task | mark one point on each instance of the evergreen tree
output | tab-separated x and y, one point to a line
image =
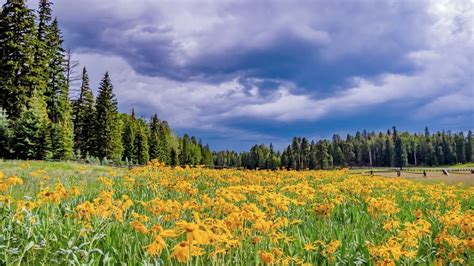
84	117
31	138
128	138
305	153
185	157
389	152
57	97
17	43
174	160
43	53
141	143
400	156
207	156
349	154
323	157
154	137
460	148
165	146
108	125
338	156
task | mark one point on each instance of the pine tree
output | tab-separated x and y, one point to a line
84	117
17	51
338	156
400	156
165	146
141	143
43	53
128	138
57	97
322	155
349	154
207	156
195	151
174	159
185	155
460	148
31	138
154	137
108	125
389	152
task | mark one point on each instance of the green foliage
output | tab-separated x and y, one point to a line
5	135
154	137
57	96
206	155
128	138
167	145
31	139
84	117
401	156
43	53
141	142
17	43
108	126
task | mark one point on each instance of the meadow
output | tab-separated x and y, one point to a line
66	213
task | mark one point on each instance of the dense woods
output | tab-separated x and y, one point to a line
38	120
390	149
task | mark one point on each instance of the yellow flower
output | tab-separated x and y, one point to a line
14	180
75	191
309	247
169	233
181	252
156	246
193	233
139	227
266	257
390	225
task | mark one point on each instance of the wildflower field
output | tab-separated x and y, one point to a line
59	213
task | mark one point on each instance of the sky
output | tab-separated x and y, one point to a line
238	73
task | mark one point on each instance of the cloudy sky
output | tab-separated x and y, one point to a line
237	73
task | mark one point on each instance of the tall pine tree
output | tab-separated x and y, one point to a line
84	117
108	125
17	43
57	97
154	137
43	53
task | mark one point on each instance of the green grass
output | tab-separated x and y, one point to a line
465	165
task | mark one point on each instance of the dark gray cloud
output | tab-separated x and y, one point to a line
316	44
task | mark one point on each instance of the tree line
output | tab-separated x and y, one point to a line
38	120
389	149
